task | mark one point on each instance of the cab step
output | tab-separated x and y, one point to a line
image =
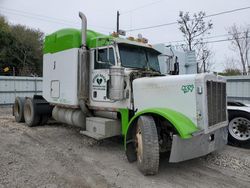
100	128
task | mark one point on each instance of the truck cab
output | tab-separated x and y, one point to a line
126	58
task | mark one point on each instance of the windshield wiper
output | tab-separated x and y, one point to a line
148	68
152	69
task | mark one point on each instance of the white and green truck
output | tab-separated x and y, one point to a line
111	86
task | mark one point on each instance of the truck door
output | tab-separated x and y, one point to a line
103	58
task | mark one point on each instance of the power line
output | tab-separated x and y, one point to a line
46	18
173	23
35	15
216	41
140	7
150	27
211	37
226	12
224	40
38	18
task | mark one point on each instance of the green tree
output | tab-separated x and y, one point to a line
6	41
20	48
4	26
231	72
27	49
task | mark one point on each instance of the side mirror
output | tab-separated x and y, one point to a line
173	65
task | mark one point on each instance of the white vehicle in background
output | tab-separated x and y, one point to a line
239	123
238	112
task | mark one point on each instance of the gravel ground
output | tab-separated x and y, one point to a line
56	156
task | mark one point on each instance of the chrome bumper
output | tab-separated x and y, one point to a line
197	146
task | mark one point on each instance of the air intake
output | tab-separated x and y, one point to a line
216	102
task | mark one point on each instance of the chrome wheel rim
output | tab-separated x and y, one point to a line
239	128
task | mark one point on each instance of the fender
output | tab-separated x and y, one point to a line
239	108
183	125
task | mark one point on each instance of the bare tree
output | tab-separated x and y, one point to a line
204	55
194	29
241	43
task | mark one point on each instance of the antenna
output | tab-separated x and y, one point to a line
118	30
117	21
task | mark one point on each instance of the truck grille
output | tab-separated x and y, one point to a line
216	102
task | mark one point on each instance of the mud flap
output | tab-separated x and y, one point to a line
197	146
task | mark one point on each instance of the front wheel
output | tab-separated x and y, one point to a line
147	145
239	127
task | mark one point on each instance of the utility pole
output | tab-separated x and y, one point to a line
197	67
204	64
117	22
14	78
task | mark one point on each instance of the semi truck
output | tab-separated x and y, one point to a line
111	86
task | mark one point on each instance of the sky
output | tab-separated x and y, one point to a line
51	15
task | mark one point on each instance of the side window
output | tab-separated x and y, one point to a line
103	57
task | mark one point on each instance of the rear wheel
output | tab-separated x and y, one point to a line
18	109
30	113
239	127
147	145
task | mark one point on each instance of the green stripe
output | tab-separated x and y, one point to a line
184	126
124	119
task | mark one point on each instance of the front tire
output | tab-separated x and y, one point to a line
147	145
239	127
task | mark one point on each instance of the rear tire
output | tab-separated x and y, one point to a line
18	109
239	128
147	145
30	113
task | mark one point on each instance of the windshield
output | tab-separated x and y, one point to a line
138	57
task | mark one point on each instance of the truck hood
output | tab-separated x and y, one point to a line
172	92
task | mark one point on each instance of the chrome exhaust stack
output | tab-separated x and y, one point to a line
84	28
83	68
